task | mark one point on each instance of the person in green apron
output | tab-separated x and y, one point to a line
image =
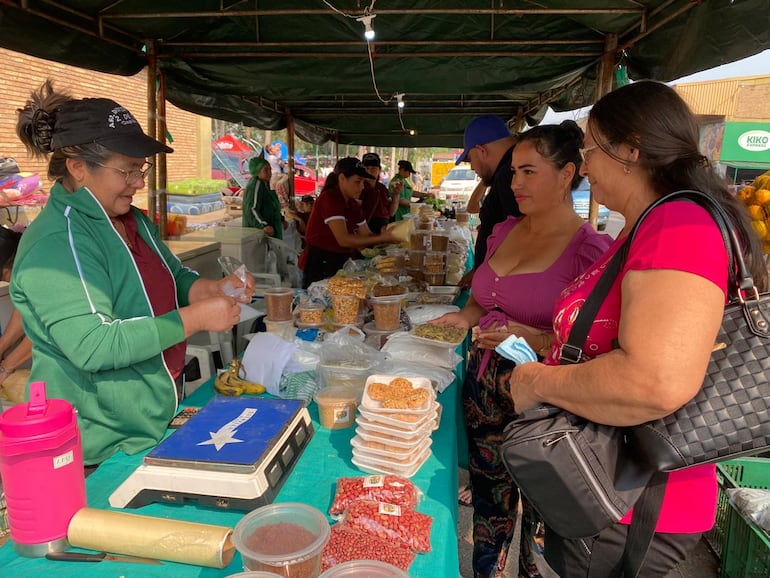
261	207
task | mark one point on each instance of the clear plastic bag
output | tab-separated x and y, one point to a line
391	522
376	488
440	377
347	543
754	502
402	346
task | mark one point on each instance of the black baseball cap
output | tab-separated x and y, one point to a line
406	165
350	166
307	199
371	160
105	122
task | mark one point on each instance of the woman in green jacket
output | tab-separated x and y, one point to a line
105	303
261	207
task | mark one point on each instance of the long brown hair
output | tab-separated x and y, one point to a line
652	118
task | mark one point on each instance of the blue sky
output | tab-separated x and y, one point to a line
759	64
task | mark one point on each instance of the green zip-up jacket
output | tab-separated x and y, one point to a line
95	340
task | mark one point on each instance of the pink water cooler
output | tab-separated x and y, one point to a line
41	465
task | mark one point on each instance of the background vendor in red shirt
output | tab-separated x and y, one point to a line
337	226
376	202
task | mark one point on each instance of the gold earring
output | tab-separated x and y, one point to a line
626	169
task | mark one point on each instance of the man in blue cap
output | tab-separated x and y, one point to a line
488	145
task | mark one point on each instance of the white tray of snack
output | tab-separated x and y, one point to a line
391	394
405	435
390	458
392	443
410	421
378	467
452	335
444	290
379	449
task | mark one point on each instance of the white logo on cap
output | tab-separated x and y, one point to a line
120	116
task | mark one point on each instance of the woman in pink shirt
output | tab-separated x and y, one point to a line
529	261
650	343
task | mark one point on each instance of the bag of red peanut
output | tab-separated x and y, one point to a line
378	488
347	543
391	522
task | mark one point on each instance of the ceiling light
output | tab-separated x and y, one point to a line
400	99
412	132
368	28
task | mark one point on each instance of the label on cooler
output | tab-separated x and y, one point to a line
63	460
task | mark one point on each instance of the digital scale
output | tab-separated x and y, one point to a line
235	453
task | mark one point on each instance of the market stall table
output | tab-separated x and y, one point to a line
313	480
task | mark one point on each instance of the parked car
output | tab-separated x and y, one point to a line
581	200
458	184
305	182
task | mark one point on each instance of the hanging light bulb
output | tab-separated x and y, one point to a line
400	100
412	132
366	20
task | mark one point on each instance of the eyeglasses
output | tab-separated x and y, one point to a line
130	176
585	153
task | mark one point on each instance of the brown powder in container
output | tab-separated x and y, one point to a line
283	538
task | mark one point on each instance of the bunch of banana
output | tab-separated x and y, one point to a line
229	382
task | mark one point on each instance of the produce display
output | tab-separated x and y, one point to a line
347	543
230	382
756	197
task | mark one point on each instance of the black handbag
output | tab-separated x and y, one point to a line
729	417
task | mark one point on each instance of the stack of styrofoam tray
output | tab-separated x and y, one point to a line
394	440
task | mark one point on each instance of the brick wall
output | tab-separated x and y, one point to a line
22	74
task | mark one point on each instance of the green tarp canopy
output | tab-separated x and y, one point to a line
254	61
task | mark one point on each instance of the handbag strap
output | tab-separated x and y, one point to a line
740	284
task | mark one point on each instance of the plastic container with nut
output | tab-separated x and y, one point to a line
419	240
387	311
345	309
310	314
375	337
278	303
416	259
350	373
434	278
286	539
337	407
283	329
399	254
462	217
435	262
439	241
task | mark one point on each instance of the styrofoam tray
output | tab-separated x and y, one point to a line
436	342
399	456
369	466
392	419
389	458
417	382
367	435
401	434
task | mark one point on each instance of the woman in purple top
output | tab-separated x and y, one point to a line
529	261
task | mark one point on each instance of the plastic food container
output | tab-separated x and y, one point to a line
286	539
254	575
434	278
439	241
414	208
337	407
435	262
418	240
399	254
278	303
407	421
375	337
283	329
364	569
383	450
376	466
390	458
387	312
310	315
343	374
345	309
390	432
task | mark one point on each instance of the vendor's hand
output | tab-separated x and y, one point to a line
269	230
455	319
232	286
210	314
398	186
387	236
